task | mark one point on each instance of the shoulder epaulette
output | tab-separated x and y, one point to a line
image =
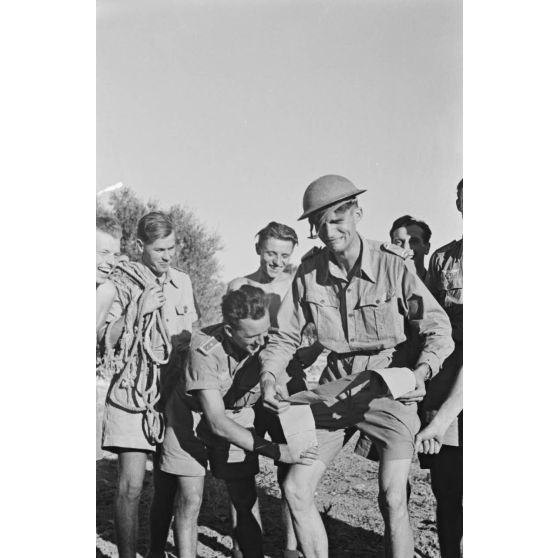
446	247
312	252
214	341
178	270
394	249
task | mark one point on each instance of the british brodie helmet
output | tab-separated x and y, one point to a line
326	192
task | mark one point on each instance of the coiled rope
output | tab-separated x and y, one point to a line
136	387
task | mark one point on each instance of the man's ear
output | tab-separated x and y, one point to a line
427	251
228	330
358	213
140	245
258	249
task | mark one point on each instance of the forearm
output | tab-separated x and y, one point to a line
233	433
452	406
114	331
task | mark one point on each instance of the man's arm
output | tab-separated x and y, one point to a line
433	325
221	425
430	438
280	348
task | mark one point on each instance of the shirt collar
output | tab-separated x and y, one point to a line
365	261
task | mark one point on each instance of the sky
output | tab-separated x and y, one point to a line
233	108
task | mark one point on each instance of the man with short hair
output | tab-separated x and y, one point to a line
147	330
108	235
210	417
442	406
274	245
359	294
414	235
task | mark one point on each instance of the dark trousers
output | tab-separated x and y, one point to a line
446	473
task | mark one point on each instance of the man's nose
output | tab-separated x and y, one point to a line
111	260
407	244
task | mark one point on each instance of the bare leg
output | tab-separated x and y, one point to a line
248	532
131	472
162	506
291	542
392	498
299	488
188	503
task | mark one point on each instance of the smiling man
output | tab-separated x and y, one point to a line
360	294
414	235
133	423
211	416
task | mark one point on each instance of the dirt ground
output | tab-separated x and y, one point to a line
346	497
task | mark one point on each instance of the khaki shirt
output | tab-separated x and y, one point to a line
365	314
179	310
445	281
213	363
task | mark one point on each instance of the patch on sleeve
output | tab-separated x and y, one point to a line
209	345
416	308
393	249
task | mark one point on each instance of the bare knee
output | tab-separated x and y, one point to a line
129	489
299	496
393	501
188	502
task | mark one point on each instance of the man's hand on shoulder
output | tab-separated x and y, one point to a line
274	395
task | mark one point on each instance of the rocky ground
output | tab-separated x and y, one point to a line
346	498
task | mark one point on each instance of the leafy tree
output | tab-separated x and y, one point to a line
196	247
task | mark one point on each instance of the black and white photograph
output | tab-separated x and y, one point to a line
279	279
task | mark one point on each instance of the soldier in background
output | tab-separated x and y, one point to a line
413	235
442	438
108	237
133	422
274	245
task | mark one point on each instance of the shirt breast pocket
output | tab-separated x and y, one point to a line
452	285
378	317
324	307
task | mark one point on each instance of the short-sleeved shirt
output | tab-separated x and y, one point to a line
445	281
179	310
364	313
213	362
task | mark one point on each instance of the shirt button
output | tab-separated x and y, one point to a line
351	315
352	340
377	301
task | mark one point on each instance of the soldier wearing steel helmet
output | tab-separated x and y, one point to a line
359	294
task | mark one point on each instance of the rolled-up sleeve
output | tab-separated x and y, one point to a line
201	372
429	319
283	342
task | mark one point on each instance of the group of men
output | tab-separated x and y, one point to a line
213	396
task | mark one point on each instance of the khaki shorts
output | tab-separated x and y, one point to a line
227	461
391	425
102	388
123	429
182	453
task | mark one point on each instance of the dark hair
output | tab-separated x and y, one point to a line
460	185
277	230
110	226
407	220
245	302
154	225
